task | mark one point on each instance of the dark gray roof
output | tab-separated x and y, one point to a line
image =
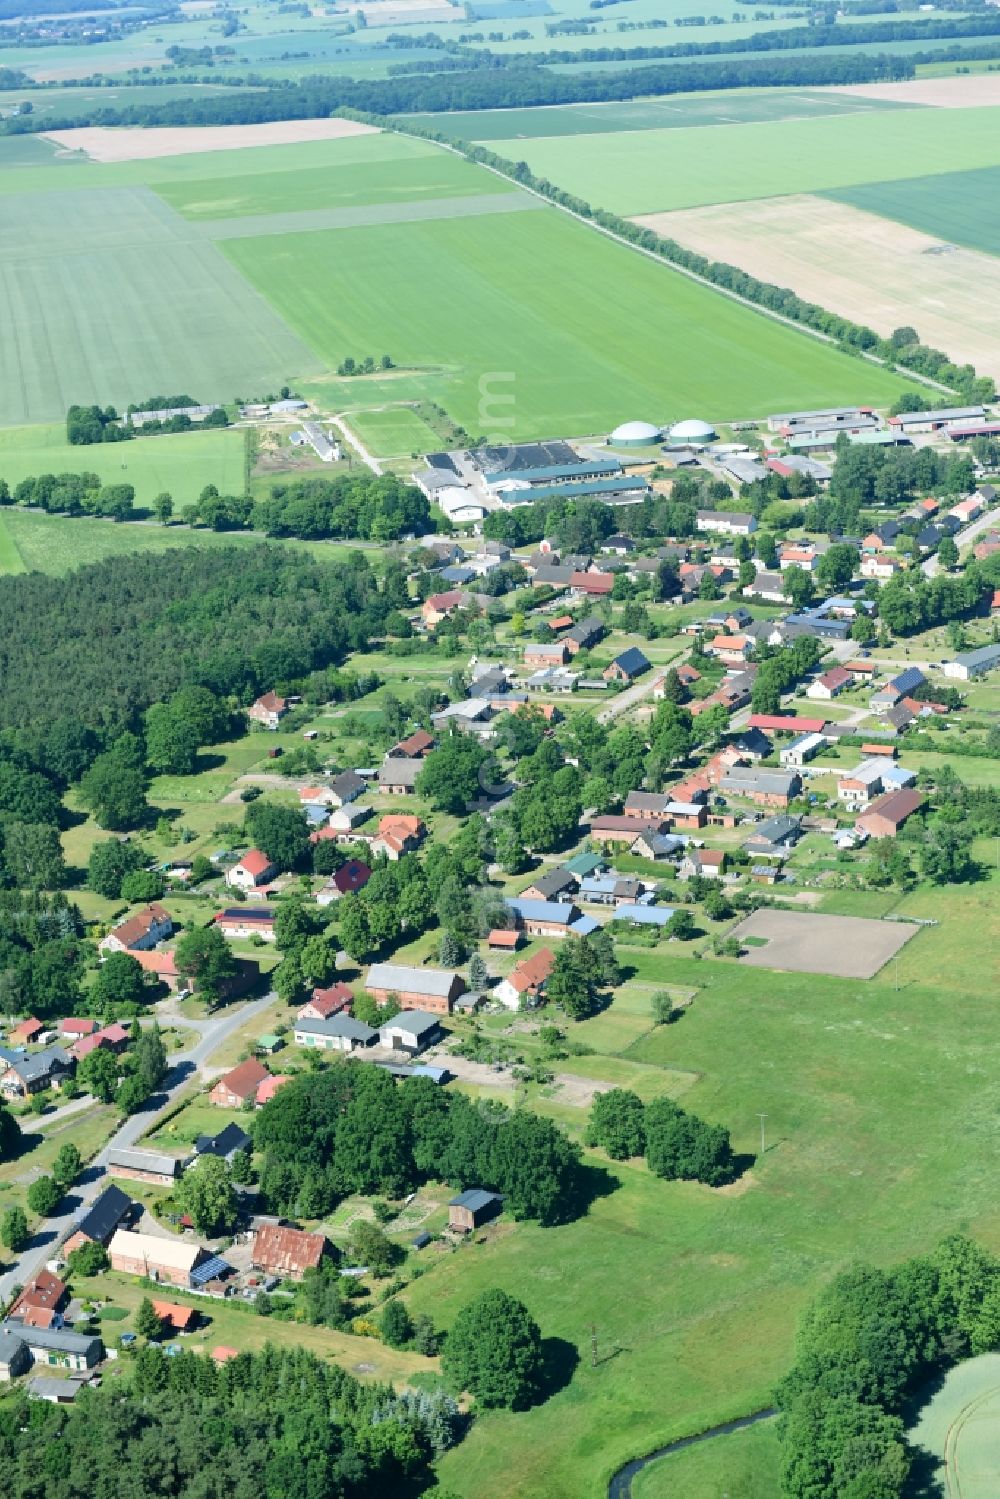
338	1025
103	1216
586	630
231	1139
10	1344
632	661
42	1064
776	830
475	1199
419	1022
399	772
58	1340
144	1160
347	783
908	679
552	882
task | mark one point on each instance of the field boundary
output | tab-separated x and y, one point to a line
777	317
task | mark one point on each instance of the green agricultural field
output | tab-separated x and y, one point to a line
634	173
743	1465
958	207
737	106
368	175
180	463
547	327
128	303
11	560
393	433
879	1109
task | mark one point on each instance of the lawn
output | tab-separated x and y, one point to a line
878	1105
393	432
549	328
958	207
636	173
88	1131
742	106
110	297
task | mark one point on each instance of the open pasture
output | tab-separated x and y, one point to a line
735	106
884	274
553	329
802	942
742	1464
180	464
954	207
639	172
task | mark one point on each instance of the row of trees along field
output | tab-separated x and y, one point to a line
493	86
854	338
365	506
869	1344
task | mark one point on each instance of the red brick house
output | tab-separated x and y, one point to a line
431	989
326	1002
269	710
233	1090
886	816
139	932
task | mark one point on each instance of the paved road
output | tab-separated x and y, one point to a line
34	1126
930	566
214	1034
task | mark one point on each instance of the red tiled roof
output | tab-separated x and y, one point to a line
222	1354
25	1029
245	1079
500	937
592	582
533	971
351	876
177	1317
255	863
270	1086
77	1026
162	963
139	925
417	744
330	1001
45	1291
270	702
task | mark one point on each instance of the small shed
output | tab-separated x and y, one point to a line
470	1209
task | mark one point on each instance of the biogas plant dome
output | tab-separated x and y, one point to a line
635	435
692	430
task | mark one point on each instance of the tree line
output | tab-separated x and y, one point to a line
90	424
866	1346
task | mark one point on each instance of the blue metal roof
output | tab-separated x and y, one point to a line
584	925
645	915
556	471
541	910
595	487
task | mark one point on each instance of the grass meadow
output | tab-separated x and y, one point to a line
180	463
633	173
543	325
742	1465
958	207
879	1109
393	432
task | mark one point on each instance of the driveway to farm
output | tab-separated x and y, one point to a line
34	1126
353	440
185	1066
930	566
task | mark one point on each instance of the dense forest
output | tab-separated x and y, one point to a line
279	1424
102	645
867	1346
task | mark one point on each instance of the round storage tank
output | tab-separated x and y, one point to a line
635	435
692	430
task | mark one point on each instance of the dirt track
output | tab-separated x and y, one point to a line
969	92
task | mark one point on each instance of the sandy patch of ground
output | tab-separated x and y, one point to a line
102	144
867	268
971	91
852	947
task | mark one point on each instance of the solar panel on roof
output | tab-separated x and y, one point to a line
212	1269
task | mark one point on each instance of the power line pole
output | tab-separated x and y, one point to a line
762	1117
593	1345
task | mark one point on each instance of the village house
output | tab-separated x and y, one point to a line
175	1318
524	984
627	666
768	788
323	1003
503	939
545	653
346	818
726	522
897	687
171	1260
26	1075
732	650
703	863
341	1032
162	966
237	1087
432	989
398	777
592	584
880	568
658	846
143	1166
802	749
346	787
831	684
691	814
398	834
112	1038
554	884
417	746
440	605
774	837
611	890
611	827
269	1088
584	635
21	1346
140	932
252	871
886	816
247	921
268	710
287	1252
646	804
26	1032
97	1223
73	1027
472	1208
41	1302
972	664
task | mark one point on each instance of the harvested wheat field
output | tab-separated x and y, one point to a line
865	267
972	91
103	144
